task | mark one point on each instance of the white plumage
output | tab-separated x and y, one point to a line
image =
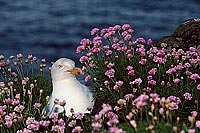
67	87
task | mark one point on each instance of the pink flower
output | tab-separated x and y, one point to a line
110	65
128	96
37	105
87	78
19	56
187	96
127	37
94	31
149	41
198	87
140	40
131	72
9	123
106	83
154	98
152	71
96	126
195	76
80	49
62	103
83	59
95	50
129	68
161	111
143	61
163	45
85	42
115	129
152	82
115	46
112	122
108	52
106	108
110	73
191	130
126	26
44	123
79	116
176	80
137	81
72	123
197	124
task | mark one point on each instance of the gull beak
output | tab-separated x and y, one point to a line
75	71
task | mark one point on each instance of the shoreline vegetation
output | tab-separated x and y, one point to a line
139	87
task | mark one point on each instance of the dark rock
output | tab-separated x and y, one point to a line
186	35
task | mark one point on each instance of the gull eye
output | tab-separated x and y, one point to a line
60	66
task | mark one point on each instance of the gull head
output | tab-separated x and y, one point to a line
64	68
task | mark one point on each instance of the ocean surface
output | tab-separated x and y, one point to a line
53	28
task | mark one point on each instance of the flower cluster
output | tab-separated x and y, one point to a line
120	66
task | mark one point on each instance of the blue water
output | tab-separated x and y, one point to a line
53	28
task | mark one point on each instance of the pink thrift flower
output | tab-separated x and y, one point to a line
112	122
72	123
87	78
94	31
119	83
9	123
110	65
191	130
96	126
152	82
195	76
129	68
131	73
110	73
148	89
143	61
176	80
80	49
127	37
187	96
197	124
19	56
109	52
106	108
85	42
198	87
149	77
44	123
137	81
194	113
115	129
126	26
149	41
164	45
106	83
140	40
128	96
83	59
161	111
152	71
62	103
117	108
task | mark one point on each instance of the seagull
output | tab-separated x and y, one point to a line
67	88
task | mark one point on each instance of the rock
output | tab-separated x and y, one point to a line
186	35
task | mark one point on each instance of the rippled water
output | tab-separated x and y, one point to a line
53	28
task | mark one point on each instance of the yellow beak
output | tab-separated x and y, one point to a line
75	70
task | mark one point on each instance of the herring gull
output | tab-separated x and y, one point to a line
66	87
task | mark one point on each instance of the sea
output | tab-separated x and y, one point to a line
52	29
